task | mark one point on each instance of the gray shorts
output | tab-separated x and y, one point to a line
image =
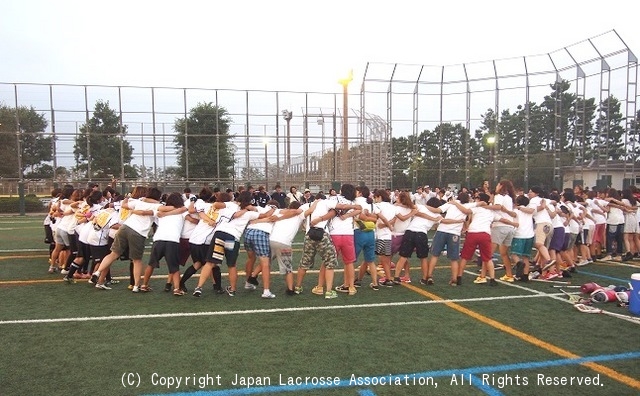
502	235
61	237
127	238
283	254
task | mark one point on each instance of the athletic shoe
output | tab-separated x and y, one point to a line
607	258
268	295
69	280
352	291
52	270
317	290
168	287
357	283
330	294
583	263
453	283
197	292
492	282
382	279
549	275
405	279
231	293
64	272
342	289
249	286
549	264
145	288
218	290
178	292
397	281
507	278
298	290
136	289
252	280
290	292
428	281
627	256
534	275
374	287
130	287
100	286
387	283
114	281
183	288
94	277
459	280
480	280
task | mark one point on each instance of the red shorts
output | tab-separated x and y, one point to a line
345	247
480	240
598	233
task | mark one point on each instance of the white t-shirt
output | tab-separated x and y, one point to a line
507	203
84	229
481	219
141	224
596	212
452	212
339	226
285	230
262	226
525	225
388	211
399	227
237	225
169	227
322	208
616	216
420	224
100	237
188	227
558	219
539	216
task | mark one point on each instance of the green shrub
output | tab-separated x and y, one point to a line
12	205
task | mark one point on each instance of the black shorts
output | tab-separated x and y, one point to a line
84	250
171	253
99	252
198	253
414	240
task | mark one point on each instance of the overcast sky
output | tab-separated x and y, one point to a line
281	45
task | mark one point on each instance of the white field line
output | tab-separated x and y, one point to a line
274	310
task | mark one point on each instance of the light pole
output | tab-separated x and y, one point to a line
345	122
265	141
491	141
288	115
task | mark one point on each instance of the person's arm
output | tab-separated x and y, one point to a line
174	211
383	222
509	222
463	208
351	213
437	219
326	217
406	217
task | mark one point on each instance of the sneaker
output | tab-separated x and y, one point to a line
52	270
583	263
534	275
330	294
357	283
268	295
231	293
69	280
317	290
178	292
94	278
168	287
453	282
102	286
397	281
197	292
627	256
183	288
459	280
291	292
549	275
480	280
428	281
549	265
374	287
507	278
405	279
114	281
130	287
607	258
382	280
64	272
249	286
252	280
342	289
135	289
352	291
145	288
492	282
218	290
387	283
298	290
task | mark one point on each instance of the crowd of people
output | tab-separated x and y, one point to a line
534	234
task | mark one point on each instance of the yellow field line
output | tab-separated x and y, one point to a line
23	257
632	382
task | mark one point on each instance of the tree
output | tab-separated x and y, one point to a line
107	151
35	147
203	143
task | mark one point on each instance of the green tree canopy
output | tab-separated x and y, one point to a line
203	143
101	143
35	147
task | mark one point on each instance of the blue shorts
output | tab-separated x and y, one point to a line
366	243
257	241
451	242
522	246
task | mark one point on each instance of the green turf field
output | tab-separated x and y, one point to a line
514	339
